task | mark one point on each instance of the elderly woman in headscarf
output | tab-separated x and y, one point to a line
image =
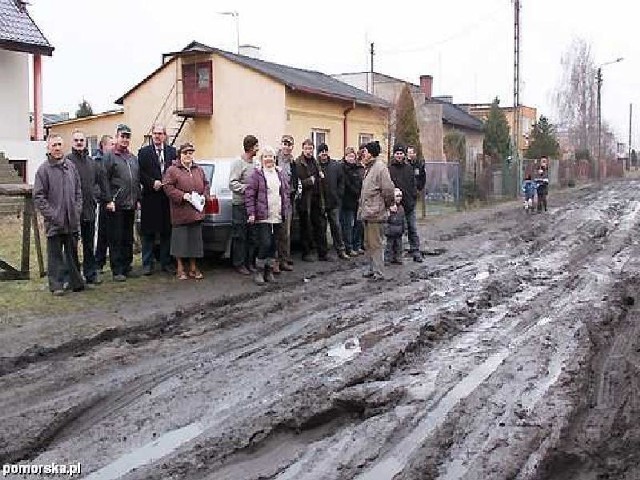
267	201
187	188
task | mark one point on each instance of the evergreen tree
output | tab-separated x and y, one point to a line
497	143
543	140
407	131
84	109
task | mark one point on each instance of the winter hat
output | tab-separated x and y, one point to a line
398	147
323	147
373	148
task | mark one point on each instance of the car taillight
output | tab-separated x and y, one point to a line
211	206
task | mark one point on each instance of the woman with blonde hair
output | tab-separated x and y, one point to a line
267	200
187	188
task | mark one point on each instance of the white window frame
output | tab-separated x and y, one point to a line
319	135
93	144
364	138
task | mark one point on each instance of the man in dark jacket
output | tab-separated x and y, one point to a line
155	216
92	185
353	175
420	173
122	197
332	185
403	178
102	242
313	222
57	194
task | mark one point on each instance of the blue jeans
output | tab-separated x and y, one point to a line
148	249
412	228
347	222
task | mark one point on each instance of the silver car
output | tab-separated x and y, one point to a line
216	227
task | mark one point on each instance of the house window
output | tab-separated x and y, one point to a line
365	138
92	144
319	136
203	77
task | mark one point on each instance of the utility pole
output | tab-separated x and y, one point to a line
371	52
599	110
630	123
516	90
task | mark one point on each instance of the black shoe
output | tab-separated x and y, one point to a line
170	269
397	261
368	274
268	276
79	289
377	277
343	255
119	278
325	258
58	293
132	274
307	257
417	257
147	270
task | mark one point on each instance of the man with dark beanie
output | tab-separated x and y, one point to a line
403	178
376	197
332	185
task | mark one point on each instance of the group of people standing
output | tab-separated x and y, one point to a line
353	196
160	180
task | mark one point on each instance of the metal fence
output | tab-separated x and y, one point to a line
443	187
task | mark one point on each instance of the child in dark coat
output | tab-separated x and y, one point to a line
394	229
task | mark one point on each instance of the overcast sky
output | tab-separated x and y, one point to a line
104	47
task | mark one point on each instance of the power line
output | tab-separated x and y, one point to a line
461	33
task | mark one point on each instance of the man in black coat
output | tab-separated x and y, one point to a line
403	178
155	217
332	185
420	173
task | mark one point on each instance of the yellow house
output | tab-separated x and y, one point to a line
528	117
214	98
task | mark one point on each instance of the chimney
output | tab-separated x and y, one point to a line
426	85
250	51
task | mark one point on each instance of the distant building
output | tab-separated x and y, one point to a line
528	117
436	115
20	38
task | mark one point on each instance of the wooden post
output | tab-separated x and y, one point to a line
36	237
26	238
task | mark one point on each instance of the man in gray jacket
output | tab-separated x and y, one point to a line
243	244
57	194
122	197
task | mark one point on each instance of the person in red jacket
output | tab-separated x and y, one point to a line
187	188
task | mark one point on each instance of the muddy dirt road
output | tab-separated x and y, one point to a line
515	354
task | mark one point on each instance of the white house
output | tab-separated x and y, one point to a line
20	37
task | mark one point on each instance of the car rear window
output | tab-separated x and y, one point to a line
219	186
208	171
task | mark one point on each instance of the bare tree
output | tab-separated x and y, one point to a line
576	97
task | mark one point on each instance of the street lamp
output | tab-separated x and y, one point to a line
599	80
236	15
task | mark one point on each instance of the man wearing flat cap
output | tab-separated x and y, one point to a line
122	198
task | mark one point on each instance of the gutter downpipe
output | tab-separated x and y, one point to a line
344	124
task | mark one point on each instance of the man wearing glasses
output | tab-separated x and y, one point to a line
122	196
155	217
91	182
